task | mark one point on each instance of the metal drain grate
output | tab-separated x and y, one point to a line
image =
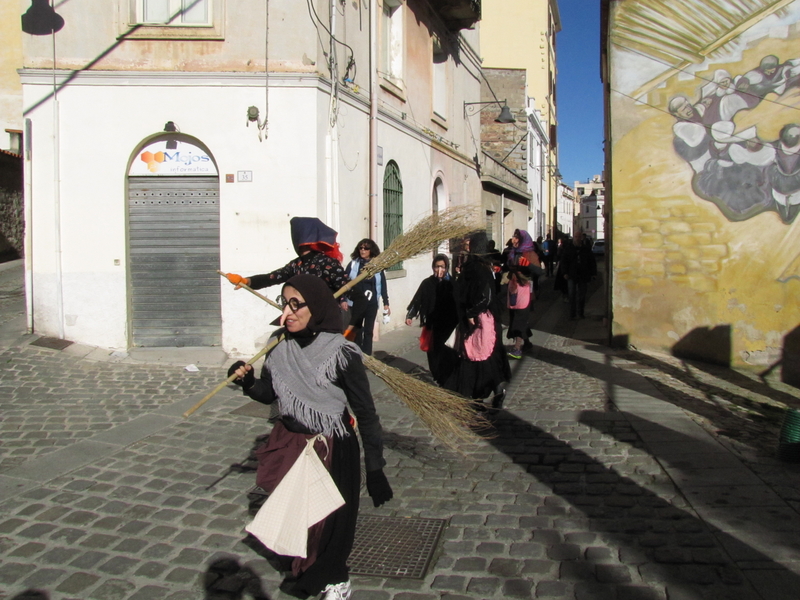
394	546
52	343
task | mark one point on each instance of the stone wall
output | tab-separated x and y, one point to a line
502	140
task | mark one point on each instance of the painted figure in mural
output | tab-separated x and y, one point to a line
737	177
772	77
692	141
784	174
738	170
719	98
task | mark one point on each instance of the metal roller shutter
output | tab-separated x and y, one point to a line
173	231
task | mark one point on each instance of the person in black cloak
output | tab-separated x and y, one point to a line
483	368
436	308
317	254
314	375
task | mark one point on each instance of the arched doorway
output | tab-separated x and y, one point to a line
173	244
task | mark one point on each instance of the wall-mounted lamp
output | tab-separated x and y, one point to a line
41	19
170	127
505	115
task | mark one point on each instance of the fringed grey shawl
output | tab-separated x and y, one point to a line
303	381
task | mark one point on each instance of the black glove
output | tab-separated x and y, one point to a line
378	487
245	382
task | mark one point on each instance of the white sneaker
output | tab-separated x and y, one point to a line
338	591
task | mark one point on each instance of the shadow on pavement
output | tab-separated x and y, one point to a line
726	421
31	594
658	542
227	579
731	376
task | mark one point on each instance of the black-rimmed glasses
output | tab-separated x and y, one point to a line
365	248
293	303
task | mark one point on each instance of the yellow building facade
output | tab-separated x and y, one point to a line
704	166
521	34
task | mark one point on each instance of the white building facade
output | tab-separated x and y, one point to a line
566	209
592	196
539	172
167	146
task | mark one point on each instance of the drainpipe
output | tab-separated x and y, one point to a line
57	201
57	214
28	240
373	119
503	218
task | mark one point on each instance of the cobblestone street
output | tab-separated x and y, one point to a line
610	475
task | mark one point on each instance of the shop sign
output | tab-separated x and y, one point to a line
185	159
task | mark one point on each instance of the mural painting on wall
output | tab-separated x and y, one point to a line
742	56
740	171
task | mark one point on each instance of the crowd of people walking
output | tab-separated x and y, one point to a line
461	313
315	376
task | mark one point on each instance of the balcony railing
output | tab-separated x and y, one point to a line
458	14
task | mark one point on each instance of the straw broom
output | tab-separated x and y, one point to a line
446	414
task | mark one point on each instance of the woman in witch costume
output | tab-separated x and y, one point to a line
436	308
522	265
317	254
483	367
313	375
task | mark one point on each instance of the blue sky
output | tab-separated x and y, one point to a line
579	93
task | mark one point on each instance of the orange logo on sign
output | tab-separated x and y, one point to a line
152	160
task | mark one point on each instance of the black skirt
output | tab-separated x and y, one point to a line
480	379
338	529
518	323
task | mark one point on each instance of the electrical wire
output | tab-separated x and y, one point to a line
706	127
315	16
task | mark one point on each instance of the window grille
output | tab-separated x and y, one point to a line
392	207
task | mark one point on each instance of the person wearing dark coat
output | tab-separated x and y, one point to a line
366	296
578	266
482	368
317	254
436	308
522	266
314	375
559	282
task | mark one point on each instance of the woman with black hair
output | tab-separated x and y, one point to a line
365	295
436	308
314	374
483	367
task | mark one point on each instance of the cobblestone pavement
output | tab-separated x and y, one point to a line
610	476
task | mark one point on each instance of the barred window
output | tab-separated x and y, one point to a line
392	207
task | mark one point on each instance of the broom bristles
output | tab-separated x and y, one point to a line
448	416
427	233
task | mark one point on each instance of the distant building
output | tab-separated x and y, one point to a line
591	196
521	34
567	209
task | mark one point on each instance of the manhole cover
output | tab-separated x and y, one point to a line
52	343
394	546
